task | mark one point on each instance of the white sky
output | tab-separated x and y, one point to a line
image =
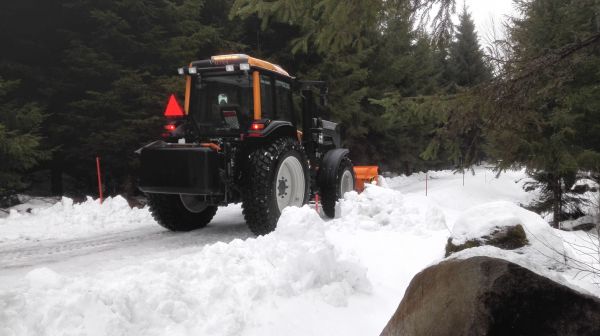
485	12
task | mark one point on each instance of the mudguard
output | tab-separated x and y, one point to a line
280	128
329	165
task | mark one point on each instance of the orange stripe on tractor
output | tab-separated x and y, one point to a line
188	89
365	174
256	93
211	145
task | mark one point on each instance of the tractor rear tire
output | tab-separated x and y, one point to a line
344	182
170	212
277	177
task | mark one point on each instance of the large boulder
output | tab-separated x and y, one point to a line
488	296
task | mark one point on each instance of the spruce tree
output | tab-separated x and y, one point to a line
467	65
459	138
334	25
19	139
402	72
546	104
118	69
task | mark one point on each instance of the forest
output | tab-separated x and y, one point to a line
414	89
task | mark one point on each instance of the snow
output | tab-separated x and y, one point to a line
65	220
482	220
546	251
211	292
446	189
312	276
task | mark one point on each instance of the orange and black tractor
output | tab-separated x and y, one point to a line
239	138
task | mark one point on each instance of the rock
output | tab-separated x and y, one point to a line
9	201
488	296
507	238
584	227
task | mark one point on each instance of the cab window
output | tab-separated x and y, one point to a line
266	97
283	94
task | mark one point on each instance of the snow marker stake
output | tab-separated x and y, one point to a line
317	203
426	173
99	178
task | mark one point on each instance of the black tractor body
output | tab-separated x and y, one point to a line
240	138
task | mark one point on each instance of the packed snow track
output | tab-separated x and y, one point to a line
153	238
105	243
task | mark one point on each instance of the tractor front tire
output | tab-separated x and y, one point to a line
277	177
170	212
334	190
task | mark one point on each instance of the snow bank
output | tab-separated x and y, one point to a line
551	253
322	265
482	220
379	208
65	220
453	195
29	203
210	292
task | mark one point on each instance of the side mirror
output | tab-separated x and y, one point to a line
324	92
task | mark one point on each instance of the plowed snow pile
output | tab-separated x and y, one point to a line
65	220
311	276
305	267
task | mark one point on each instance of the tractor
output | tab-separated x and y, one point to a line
239	137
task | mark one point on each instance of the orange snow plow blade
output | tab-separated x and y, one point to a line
365	174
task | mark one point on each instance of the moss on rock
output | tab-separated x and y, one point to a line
507	238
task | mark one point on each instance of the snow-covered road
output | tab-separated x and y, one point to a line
109	247
108	269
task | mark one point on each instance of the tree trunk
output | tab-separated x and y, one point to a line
596	178
556	200
56	182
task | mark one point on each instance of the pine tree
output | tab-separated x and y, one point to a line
459	135
402	72
546	104
334	25
467	63
113	86
19	139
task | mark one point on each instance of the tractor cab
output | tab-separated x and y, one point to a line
236	95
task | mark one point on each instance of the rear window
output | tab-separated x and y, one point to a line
212	96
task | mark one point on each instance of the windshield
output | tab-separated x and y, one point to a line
221	103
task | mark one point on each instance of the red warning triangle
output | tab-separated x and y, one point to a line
173	108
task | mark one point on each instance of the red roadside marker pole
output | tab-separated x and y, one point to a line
99	178
317	203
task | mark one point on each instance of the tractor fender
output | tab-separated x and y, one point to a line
279	128
329	165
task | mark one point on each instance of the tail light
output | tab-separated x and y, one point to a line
256	128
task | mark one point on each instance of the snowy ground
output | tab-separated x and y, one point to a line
107	269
